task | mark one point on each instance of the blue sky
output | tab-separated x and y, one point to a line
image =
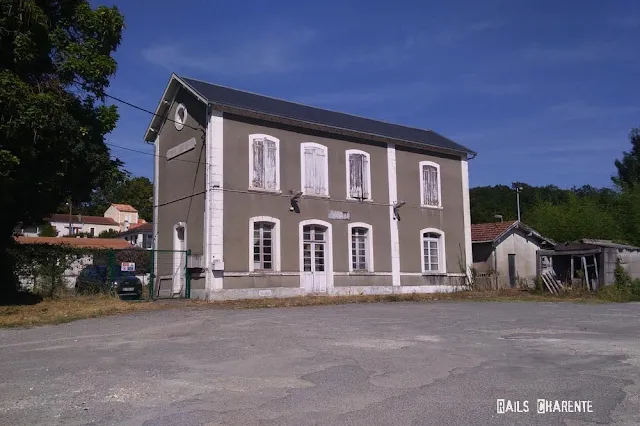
546	92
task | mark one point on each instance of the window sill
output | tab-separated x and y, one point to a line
318	197
434	274
263	273
362	273
357	200
266	191
424	206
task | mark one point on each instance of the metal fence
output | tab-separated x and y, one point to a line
169	276
50	269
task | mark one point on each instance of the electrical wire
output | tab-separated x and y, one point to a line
152	154
150	112
228	189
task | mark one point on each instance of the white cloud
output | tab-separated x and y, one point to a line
577	110
626	22
569	55
262	55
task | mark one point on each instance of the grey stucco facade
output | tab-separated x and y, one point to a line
208	190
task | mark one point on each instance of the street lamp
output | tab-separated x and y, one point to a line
70	219
517	188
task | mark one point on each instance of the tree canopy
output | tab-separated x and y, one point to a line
56	61
135	191
629	166
575	213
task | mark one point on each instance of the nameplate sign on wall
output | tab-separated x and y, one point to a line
337	215
181	149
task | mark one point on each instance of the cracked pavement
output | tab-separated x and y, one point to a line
436	363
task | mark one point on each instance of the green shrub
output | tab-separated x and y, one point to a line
624	289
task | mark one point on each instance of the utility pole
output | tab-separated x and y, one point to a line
70	218
517	188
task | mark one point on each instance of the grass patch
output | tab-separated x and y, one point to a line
61	310
488	296
66	309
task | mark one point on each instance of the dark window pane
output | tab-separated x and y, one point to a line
267	258
267	250
267	265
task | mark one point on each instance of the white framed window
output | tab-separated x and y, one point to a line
314	169
360	247
433	251
430	187
264	163
264	247
358	175
180	116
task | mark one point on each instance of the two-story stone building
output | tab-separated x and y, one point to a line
279	199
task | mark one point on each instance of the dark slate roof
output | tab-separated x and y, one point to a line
294	111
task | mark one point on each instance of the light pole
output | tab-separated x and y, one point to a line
517	188
70	219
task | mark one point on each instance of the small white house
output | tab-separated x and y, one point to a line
504	254
139	236
90	225
124	214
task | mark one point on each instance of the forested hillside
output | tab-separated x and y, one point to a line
569	214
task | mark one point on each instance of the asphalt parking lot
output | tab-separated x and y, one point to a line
438	363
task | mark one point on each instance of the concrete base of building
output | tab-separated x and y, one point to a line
284	292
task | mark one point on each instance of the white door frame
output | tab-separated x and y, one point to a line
179	259
328	250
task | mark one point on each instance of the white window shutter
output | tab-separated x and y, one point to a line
430	186
258	164
365	178
355	176
309	164
320	158
270	169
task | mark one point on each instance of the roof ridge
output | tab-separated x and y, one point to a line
310	106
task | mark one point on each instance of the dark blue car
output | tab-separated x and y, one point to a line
94	279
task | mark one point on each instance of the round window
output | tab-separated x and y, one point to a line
181	116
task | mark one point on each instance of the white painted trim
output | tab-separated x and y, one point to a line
328	250
367	290
367	172
179	265
214	214
262	274
180	124
393	223
437	166
276	253
156	201
370	245
442	253
362	274
277	142
172	85
422	274
303	170
466	208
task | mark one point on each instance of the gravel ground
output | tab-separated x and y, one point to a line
440	363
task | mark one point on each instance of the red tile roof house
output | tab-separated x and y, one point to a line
504	253
92	225
124	214
71	274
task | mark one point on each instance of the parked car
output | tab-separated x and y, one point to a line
94	279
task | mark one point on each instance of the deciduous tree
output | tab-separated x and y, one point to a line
56	61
